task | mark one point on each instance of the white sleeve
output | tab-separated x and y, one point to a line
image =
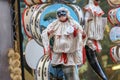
46	35
45	40
87	16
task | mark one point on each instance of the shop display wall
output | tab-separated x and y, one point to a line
6	38
85	71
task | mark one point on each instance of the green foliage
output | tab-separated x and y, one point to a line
105	6
50	16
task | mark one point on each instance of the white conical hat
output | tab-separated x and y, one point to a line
96	10
90	1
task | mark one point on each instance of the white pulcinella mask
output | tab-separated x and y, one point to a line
64	9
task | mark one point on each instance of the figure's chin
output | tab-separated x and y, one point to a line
64	20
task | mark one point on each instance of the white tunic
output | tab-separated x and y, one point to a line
67	47
94	28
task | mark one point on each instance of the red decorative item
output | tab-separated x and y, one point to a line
25	25
84	55
75	33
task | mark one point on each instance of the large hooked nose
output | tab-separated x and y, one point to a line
92	59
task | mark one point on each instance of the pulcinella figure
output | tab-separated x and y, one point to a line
69	38
94	29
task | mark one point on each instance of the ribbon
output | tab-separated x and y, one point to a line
64	58
96	44
84	54
75	31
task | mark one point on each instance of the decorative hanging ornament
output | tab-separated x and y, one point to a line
34	23
33	2
45	71
114	3
115	53
33	53
79	13
25	22
26	19
114	16
42	69
115	34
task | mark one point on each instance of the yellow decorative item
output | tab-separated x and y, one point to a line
11	68
16	56
107	28
12	75
14	65
10	61
10	53
17	77
17	71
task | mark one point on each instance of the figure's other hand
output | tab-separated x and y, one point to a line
84	35
90	20
47	52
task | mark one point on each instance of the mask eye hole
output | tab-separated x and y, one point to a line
61	13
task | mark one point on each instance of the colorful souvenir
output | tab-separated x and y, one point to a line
94	28
115	34
45	71
25	22
114	3
67	35
33	53
115	53
33	24
113	16
93	21
29	2
118	14
28	12
34	2
79	13
39	69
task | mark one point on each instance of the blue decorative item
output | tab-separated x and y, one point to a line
115	34
118	14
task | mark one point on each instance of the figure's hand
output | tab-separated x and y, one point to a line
84	35
47	52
